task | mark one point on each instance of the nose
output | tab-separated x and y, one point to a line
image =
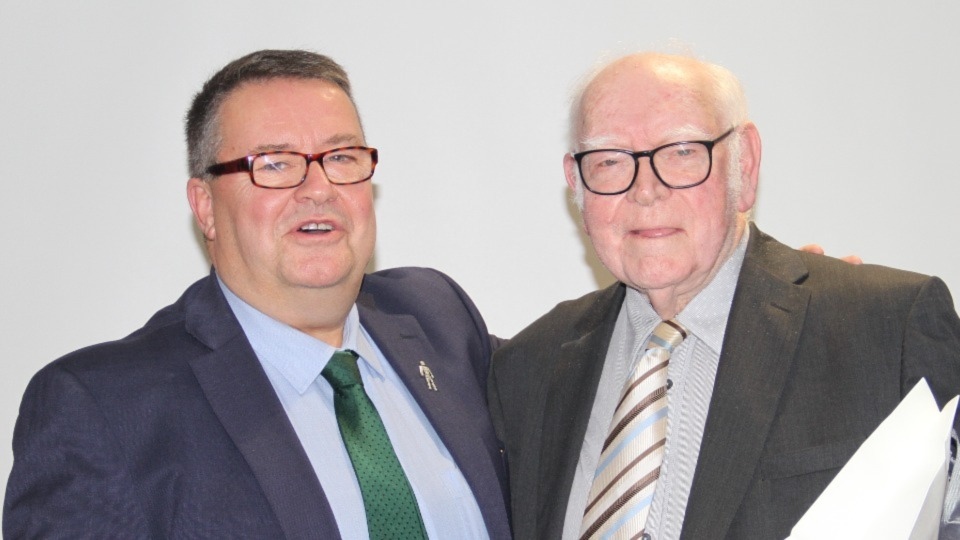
316	186
647	188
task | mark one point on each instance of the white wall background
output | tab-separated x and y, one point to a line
856	101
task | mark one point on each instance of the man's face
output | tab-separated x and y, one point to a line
260	240
653	238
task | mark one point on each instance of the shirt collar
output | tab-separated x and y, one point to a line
297	356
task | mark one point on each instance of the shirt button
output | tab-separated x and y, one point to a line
646	536
669	386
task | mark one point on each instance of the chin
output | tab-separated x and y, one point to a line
320	278
649	281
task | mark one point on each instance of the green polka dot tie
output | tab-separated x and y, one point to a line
388	500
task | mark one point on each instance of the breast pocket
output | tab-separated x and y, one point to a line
791	481
809	460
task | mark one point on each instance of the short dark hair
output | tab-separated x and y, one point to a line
203	118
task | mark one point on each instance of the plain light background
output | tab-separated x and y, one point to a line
856	102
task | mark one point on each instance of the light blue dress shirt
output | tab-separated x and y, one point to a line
293	361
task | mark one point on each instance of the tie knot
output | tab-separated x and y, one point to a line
342	370
667	335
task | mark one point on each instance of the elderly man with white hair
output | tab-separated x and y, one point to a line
716	388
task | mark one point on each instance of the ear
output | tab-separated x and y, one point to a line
572	174
201	202
750	150
570	171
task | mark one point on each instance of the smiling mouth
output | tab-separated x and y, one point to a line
655	233
316	228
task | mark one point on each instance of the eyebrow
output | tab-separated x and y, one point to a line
337	139
594	143
688	132
344	138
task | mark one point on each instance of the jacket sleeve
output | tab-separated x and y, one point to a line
931	346
69	479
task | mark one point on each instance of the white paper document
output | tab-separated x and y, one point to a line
893	486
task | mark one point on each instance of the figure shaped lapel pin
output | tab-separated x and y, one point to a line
427	375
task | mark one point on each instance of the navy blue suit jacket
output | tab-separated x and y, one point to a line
175	430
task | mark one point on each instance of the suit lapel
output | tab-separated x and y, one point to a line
570	392
763	330
455	409
242	397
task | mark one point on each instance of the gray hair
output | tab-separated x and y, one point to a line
203	118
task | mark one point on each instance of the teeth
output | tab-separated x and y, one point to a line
317	227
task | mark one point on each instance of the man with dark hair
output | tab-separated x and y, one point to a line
283	395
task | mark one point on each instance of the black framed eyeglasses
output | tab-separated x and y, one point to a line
283	169
679	165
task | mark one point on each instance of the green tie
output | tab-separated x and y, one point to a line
388	500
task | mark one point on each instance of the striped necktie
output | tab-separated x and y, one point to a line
629	465
388	500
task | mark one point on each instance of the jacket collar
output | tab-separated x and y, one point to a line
450	409
572	387
241	396
766	320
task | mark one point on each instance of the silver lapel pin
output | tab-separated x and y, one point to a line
427	376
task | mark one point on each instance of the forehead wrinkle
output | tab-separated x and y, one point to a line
663	89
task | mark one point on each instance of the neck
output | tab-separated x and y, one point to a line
670	301
318	312
666	304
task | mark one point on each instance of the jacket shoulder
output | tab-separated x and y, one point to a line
568	320
415	291
826	276
406	281
162	339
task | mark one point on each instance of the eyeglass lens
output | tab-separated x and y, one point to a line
677	165
283	169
